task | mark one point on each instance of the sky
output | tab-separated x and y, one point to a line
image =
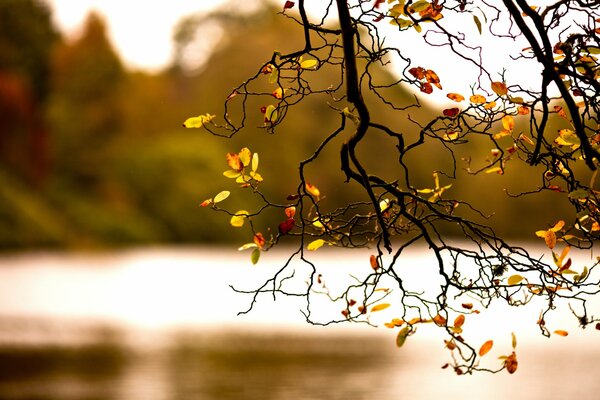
141	31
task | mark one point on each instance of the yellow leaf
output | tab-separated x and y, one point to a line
562	333
499	88
239	218
199	121
514	340
379	307
450	137
514	279
497	170
254	162
490	105
315	244
541	234
232	174
221	196
486	347
312	189
308	64
245	156
508	122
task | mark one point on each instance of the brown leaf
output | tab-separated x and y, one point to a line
426	88
499	88
550	239
439	320
511	363
468	306
433	78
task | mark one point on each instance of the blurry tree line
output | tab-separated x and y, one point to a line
93	154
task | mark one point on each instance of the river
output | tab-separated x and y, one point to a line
161	323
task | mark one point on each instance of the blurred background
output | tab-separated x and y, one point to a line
114	284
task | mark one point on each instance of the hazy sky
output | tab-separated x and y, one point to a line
141	31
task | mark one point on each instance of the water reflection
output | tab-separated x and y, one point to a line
161	325
199	366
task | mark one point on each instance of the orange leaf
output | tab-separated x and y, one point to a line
508	122
433	78
290	212
468	306
439	320
499	88
234	162
523	110
459	321
206	203
312	189
426	88
486	347
477	99
374	263
259	239
417	72
550	239
562	333
380	307
455	97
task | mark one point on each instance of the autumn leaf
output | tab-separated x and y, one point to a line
455	97
316	244
433	78
426	88
374	263
511	363
499	88
485	348
286	226
199	121
380	307
439	320
259	240
254	256
402	335
550	239
206	203
312	189
562	333
221	196
309	64
514	280
451	112
234	162
459	321
417	72
288	4
477	99
239	218
508	122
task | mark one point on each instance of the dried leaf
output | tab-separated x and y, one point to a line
467	306
485	348
514	340
499	88
417	72
550	239
455	97
511	363
234	162
433	78
451	112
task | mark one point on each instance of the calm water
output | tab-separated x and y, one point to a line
160	324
